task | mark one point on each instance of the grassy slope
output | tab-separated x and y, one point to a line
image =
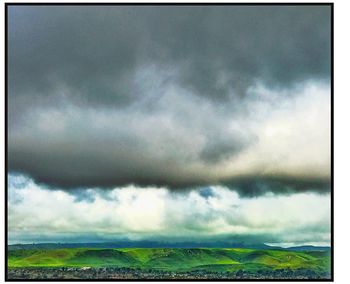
172	259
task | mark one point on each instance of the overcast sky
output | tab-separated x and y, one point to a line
136	111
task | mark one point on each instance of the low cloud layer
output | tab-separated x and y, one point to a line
211	213
177	97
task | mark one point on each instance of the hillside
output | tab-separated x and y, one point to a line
217	260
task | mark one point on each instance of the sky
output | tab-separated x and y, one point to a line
169	123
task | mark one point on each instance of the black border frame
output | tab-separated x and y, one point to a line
330	4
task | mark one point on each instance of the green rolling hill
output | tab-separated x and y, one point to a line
217	260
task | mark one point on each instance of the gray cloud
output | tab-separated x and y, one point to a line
250	186
94	50
107	96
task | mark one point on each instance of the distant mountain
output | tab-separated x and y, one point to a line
308	248
155	244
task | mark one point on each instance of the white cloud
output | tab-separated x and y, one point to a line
157	212
293	133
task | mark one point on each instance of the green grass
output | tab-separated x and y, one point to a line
172	259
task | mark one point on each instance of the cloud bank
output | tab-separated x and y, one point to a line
211	213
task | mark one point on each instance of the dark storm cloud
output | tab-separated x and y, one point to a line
94	50
259	185
108	96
